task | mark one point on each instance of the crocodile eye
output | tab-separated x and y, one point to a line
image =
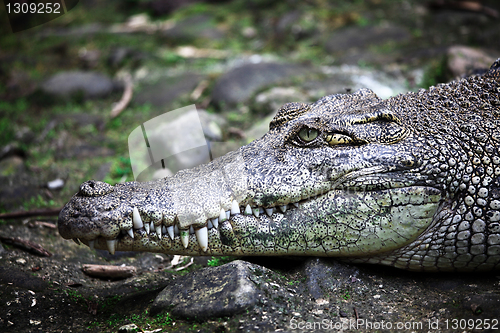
308	134
337	139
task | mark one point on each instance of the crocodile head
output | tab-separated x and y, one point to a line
348	176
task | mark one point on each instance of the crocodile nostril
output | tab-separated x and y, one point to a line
93	188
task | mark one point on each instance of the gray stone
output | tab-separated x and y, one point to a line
464	60
193	28
239	84
90	84
213	292
166	90
271	100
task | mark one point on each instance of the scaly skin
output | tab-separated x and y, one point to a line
412	182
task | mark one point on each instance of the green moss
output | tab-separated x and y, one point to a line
219	261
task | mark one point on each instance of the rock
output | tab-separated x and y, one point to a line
363	37
271	100
166	90
339	80
20	279
11	165
68	84
213	292
464	61
239	84
200	26
55	184
129	328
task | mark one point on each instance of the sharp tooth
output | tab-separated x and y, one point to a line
261	210
235	208
215	222
76	241
202	236
158	231
146	227
248	210
228	214
130	232
136	219
296	204
191	230
222	215
170	231
151	226
111	246
92	244
185	238
209	224
269	211
283	208
256	211
163	230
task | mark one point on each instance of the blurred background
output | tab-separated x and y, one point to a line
74	88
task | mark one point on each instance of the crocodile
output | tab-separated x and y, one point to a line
412	181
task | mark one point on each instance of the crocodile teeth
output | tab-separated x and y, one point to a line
296	204
163	230
170	231
130	233
283	208
215	222
209	224
222	215
191	230
158	231
235	208
269	211
185	238
152	226
176	230
248	210
76	241
256	212
111	246
146	227
136	219
228	214
202	236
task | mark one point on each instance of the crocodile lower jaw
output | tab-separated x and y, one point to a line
157	232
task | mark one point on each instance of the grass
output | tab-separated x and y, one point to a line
219	261
143	319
